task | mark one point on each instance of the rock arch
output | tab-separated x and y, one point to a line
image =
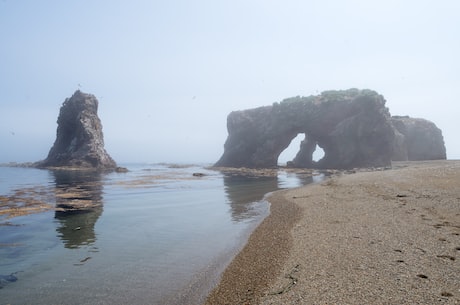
353	128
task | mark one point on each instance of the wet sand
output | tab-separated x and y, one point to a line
381	237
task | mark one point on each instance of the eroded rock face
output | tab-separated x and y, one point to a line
353	128
79	140
417	139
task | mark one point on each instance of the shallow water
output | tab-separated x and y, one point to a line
155	235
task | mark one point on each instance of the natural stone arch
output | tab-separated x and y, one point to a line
353	127
318	154
290	152
304	157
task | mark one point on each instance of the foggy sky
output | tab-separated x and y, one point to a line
167	73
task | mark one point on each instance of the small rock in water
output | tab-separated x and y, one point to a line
121	170
8	278
5	279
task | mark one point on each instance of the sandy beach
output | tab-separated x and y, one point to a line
379	237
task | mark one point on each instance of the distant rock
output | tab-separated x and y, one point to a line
352	127
417	139
79	140
121	170
198	175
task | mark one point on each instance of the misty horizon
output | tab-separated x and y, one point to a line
167	74
288	154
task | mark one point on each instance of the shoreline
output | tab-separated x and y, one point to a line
377	237
249	273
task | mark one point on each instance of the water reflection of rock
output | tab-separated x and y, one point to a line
246	186
78	206
241	190
77	229
305	179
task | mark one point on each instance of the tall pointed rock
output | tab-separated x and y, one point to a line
79	139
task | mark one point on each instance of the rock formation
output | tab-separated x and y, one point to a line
79	140
417	139
353	128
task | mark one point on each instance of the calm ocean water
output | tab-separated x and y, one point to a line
158	234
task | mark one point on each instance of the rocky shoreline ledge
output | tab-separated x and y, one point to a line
380	237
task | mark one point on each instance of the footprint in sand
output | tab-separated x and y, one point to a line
452	258
446	294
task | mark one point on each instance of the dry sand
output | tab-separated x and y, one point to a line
382	237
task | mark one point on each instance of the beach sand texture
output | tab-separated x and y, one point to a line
381	237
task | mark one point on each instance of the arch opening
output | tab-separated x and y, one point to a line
289	153
303	151
318	154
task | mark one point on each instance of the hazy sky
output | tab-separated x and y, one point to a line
167	73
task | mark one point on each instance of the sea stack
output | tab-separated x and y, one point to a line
352	127
417	139
79	139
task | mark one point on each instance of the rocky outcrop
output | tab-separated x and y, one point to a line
353	128
79	140
417	139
